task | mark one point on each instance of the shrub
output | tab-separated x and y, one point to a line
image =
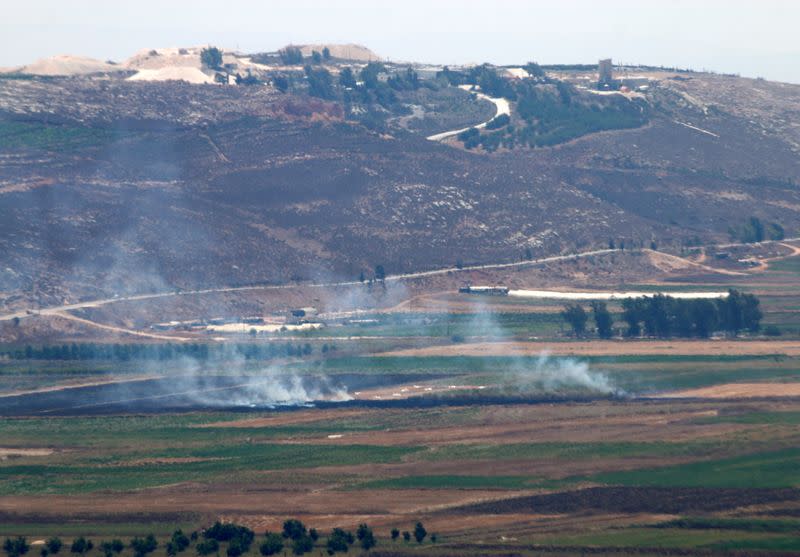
211	57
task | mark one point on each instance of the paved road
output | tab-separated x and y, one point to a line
54	310
502	106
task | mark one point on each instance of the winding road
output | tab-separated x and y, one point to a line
501	104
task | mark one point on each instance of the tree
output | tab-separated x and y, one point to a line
248	79
272	545
320	83
316	57
16	547
703	315
395	534
361	277
420	532
534	69
143	546
293	529
236	547
369	74
207	547
291	56
339	541
347	79
53	545
81	546
108	549
406	536
575	315
211	57
751	314
281	83
326	53
775	231
366	537
632	314
302	545
602	319
380	273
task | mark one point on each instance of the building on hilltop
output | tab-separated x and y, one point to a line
605	74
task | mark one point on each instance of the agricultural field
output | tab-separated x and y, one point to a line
481	418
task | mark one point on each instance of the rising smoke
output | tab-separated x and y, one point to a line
546	375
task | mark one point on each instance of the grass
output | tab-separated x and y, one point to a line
218	464
52	137
445	325
665	538
770	418
573	451
788	265
452	482
744	524
761	470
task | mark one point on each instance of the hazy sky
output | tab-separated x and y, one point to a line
753	38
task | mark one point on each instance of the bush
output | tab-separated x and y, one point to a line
772	331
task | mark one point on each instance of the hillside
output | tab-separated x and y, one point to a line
111	186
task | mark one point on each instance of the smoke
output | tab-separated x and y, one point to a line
554	375
292	390
230	380
546	375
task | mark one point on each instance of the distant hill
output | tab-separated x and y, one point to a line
66	65
110	186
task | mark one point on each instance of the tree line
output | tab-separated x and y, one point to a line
162	352
663	316
295	536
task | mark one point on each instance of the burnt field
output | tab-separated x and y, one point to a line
263	187
186	393
661	500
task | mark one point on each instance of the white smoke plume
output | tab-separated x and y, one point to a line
554	375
